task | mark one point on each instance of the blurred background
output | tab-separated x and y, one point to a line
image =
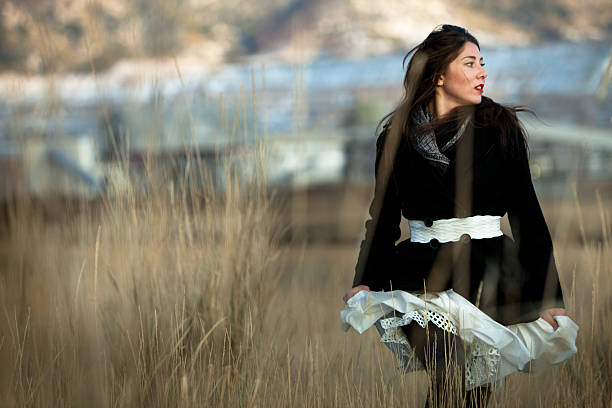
145	119
313	76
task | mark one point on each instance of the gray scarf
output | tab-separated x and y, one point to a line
425	141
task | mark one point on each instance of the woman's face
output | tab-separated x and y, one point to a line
463	81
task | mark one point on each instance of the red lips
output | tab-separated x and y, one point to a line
479	88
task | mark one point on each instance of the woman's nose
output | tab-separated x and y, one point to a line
483	73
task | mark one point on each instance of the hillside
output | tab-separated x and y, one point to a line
44	36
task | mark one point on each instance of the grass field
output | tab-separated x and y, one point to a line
199	297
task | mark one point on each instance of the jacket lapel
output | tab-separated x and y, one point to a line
444	184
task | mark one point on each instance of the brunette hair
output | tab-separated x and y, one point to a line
429	60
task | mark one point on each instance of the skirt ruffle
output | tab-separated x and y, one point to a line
493	351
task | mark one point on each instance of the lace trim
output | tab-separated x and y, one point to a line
421	317
482	360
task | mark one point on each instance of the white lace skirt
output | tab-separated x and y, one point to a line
493	351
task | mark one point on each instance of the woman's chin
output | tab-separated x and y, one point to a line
475	100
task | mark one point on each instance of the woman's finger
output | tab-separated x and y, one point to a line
548	317
351	292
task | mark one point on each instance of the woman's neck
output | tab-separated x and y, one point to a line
438	108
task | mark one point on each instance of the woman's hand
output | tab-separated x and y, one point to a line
548	316
351	292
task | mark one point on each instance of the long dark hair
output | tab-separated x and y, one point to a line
430	59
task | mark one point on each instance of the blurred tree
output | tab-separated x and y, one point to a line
363	112
160	24
3	35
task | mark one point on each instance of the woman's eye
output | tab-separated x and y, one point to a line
470	64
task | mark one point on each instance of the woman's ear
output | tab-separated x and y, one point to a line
438	79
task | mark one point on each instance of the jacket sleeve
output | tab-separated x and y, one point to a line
382	229
540	286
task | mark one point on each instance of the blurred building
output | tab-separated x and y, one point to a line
317	120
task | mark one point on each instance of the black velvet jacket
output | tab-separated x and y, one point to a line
509	279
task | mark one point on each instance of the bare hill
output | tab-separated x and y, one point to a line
42	36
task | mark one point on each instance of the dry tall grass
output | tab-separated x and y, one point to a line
184	297
153	299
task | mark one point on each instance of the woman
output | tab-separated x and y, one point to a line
453	162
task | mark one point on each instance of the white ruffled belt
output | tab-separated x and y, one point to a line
455	229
